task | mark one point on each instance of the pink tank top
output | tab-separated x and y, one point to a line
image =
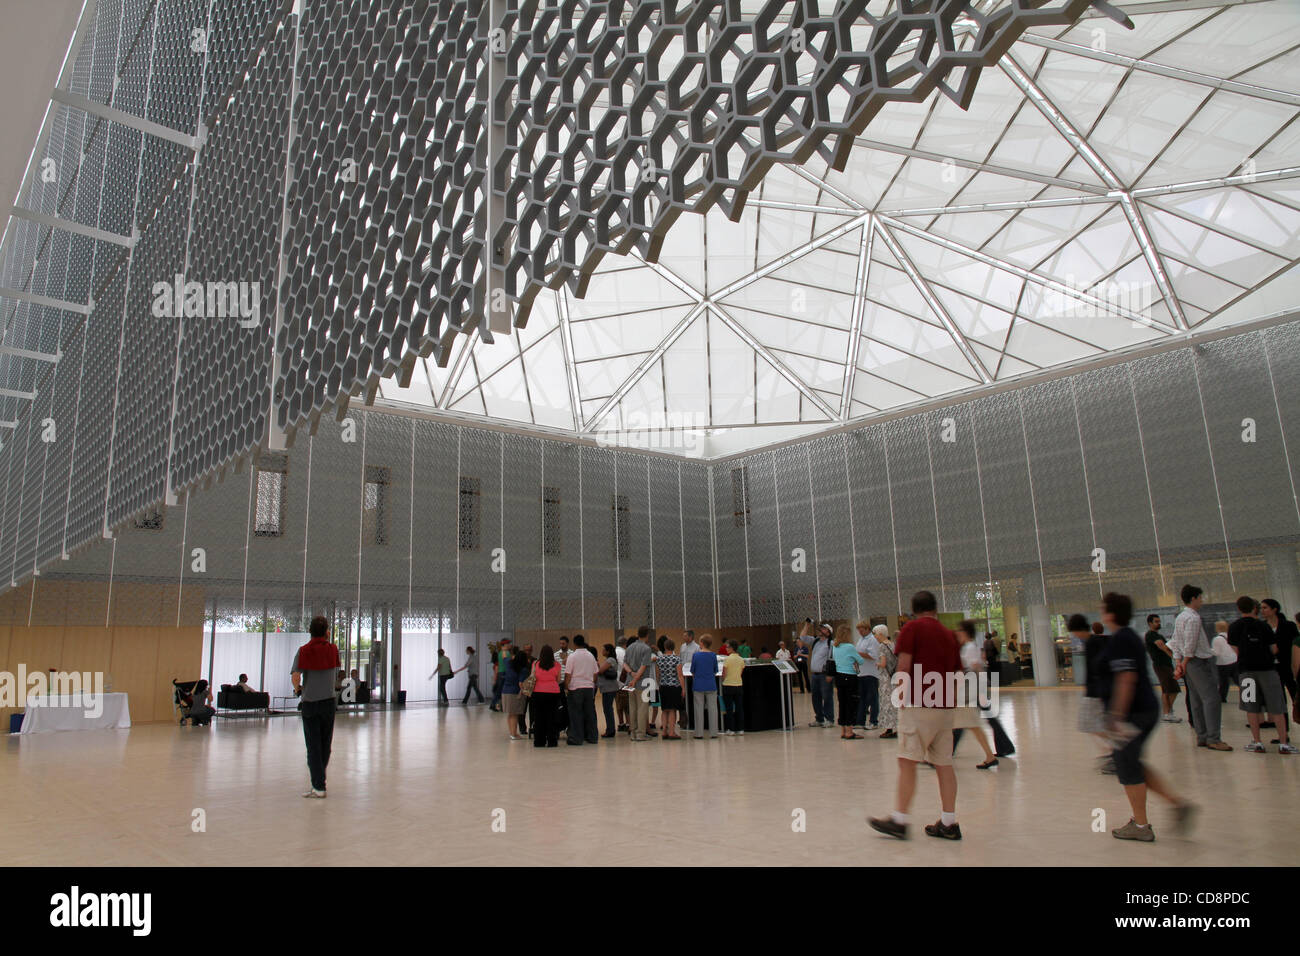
548	681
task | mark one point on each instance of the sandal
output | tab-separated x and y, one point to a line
852	737
988	764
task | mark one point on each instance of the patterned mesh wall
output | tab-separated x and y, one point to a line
1121	468
1148	461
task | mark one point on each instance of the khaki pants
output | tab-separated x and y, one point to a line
640	713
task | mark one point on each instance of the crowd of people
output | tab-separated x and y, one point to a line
643	683
652	687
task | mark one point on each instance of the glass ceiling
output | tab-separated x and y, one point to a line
1107	189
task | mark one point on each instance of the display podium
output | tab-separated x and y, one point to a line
769	695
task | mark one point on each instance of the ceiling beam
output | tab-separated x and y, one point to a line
1012	68
782	369
1020	271
797	253
457	370
79	307
67	225
859	309
122	118
1007	171
1223	182
935	305
646	364
29	354
1159	69
570	364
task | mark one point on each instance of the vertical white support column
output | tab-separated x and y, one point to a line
1040	637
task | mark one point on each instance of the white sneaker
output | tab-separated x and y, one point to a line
740	733
1254	747
1288	749
828	723
1172	719
314	793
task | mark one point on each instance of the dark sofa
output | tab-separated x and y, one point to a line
232	698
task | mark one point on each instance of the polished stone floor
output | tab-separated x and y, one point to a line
436	786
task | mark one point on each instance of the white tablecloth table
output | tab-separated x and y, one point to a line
72	713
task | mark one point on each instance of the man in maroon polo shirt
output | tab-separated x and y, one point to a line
928	664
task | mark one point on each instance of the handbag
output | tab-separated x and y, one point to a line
527	685
828	669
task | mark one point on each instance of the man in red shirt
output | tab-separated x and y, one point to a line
929	666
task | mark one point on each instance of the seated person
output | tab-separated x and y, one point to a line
338	682
764	655
201	711
243	686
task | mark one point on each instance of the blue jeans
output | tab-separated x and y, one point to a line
823	695
472	686
868	698
735	700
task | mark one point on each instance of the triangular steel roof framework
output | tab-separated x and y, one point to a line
1106	191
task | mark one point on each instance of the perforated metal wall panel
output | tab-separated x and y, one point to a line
666	552
180	43
386	544
958	502
142	400
1009	503
1060	492
1117	478
698	523
1178	459
916	533
480	591
385	123
831	509
94	421
521	581
236	32
599	566
873	528
794	494
634	571
435	554
563	572
224	404
765	544
1245	438
732	552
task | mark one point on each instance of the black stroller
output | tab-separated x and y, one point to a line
190	698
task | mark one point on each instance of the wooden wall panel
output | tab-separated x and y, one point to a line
134	667
180	652
140	655
86	649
